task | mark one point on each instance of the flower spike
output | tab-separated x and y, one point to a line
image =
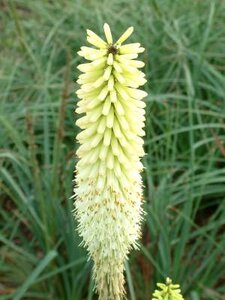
168	291
108	189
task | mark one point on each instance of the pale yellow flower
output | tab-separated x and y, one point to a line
108	189
168	291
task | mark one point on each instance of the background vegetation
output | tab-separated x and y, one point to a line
184	228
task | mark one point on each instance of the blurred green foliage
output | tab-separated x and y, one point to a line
184	177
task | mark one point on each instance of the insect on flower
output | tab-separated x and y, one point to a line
108	189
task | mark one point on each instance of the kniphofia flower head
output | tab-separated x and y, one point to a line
168	291
108	188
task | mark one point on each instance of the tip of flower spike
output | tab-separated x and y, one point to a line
168	281
125	35
108	33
